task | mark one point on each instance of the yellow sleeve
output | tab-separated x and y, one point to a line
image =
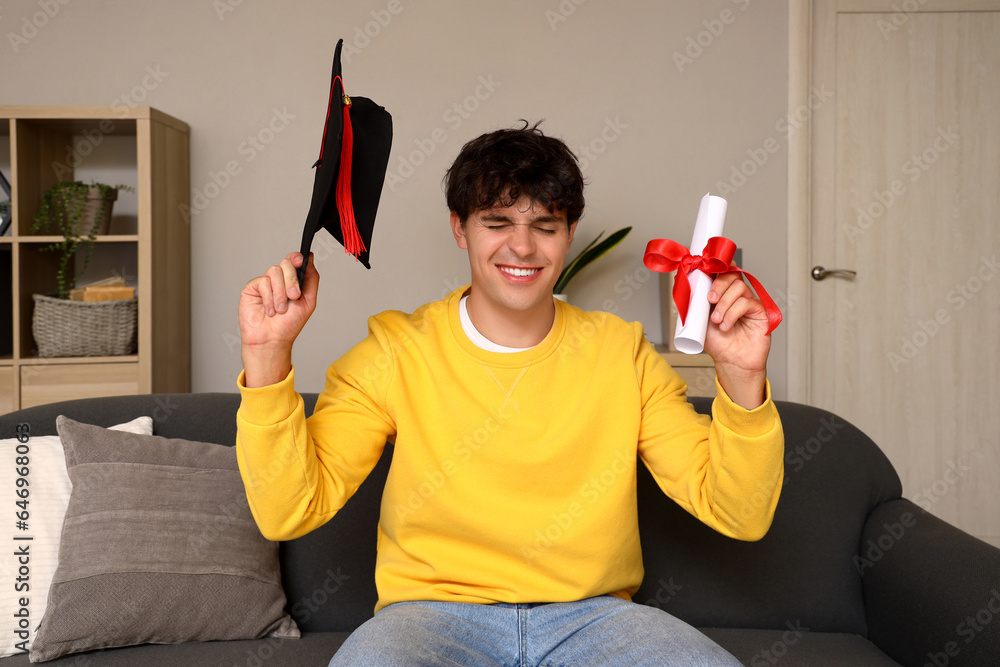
298	473
725	470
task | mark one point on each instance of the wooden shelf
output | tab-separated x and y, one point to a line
698	370
686	360
45	145
57	361
105	238
108	120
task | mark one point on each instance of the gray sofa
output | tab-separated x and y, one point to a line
849	574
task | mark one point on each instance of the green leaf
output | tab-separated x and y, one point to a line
592	252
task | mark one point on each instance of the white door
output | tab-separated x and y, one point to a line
904	189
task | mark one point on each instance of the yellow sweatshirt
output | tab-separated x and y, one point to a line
514	475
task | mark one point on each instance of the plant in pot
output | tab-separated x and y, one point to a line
78	212
591	253
62	328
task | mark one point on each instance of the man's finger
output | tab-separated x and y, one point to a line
728	292
275	281
290	278
720	285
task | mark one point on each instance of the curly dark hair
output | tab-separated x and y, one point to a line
498	168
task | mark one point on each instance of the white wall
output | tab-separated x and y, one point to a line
668	99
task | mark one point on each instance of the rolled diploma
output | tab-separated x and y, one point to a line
689	337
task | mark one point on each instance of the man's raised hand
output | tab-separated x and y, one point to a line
272	312
737	339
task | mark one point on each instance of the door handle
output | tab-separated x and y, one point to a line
819	273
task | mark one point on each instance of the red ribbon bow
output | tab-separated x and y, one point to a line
664	255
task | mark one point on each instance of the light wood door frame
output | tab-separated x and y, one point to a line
797	320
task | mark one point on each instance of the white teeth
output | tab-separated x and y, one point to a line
520	273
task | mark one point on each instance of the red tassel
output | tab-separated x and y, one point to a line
345	202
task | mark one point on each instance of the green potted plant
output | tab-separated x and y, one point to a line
78	212
63	328
591	253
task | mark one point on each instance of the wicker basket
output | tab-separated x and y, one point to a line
64	328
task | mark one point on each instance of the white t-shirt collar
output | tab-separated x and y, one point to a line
477	338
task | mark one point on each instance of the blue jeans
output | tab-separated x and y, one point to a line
603	631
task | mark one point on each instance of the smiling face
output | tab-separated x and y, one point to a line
516	254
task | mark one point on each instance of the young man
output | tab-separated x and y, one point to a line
513	402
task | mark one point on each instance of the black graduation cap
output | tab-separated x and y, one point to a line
350	170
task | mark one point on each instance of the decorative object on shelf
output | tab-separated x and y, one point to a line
589	254
109	289
5	212
4	217
65	328
79	212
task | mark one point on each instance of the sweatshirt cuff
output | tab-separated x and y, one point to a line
265	406
748	423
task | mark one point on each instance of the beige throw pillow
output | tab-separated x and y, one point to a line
158	546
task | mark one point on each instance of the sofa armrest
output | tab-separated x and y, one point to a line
932	591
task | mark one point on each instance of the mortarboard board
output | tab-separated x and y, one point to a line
350	170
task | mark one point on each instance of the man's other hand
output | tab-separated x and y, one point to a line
272	312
